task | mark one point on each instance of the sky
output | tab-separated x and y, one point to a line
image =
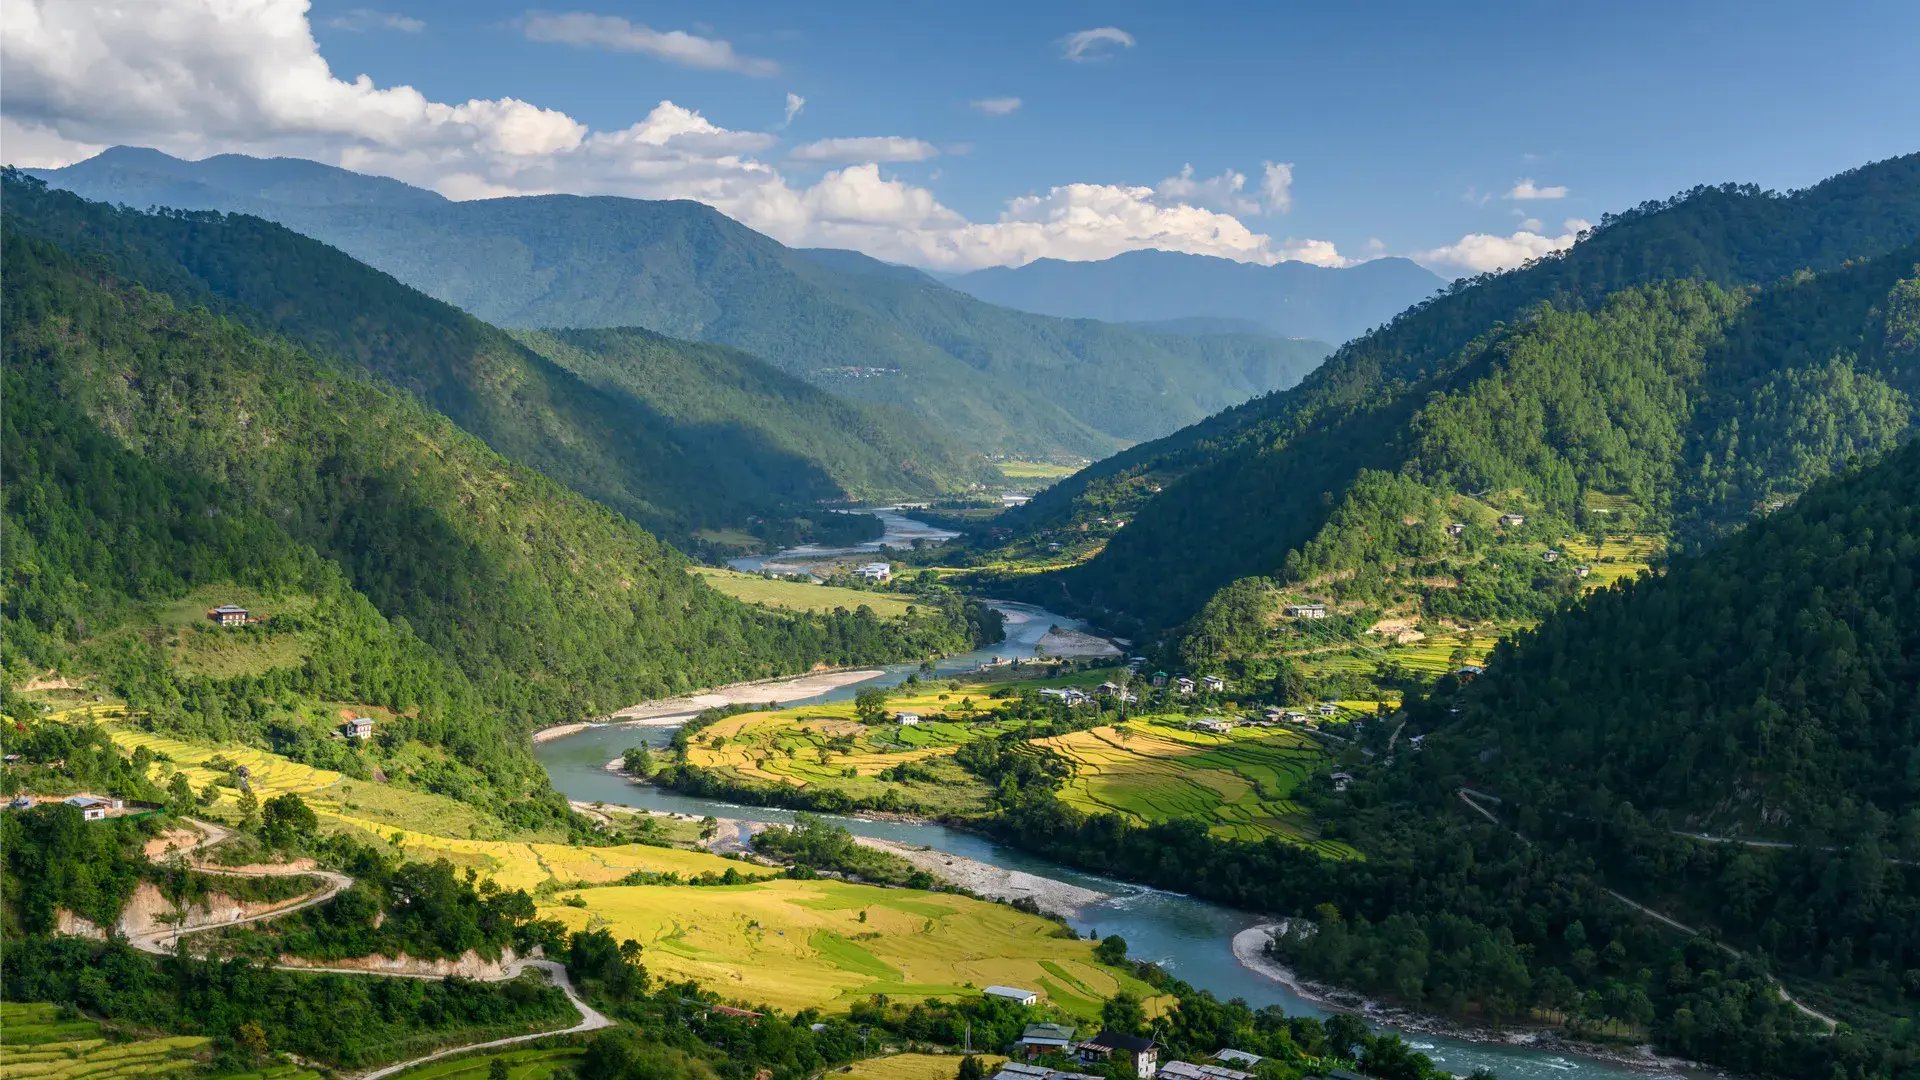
1469	137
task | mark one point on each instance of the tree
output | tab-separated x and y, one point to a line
637	761
498	1070
1123	1013
870	704
972	1068
1111	950
287	819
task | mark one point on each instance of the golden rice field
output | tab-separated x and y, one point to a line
1241	782
1035	470
798	944
35	1044
799	595
518	864
912	1067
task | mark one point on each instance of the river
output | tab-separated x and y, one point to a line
1189	937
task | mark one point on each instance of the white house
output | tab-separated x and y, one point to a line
874	571
358	727
1550	555
1455	528
1326	708
1582	571
906	719
229	615
1341	780
93	807
1012	993
1306	611
1184	685
1513	521
1213	725
1214	684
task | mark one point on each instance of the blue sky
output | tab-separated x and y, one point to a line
1407	126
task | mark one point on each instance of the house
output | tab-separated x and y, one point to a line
1069	697
1180	1070
1144	1052
1455	528
1214	684
1582	571
229	615
1054	547
93	807
1012	993
1135	663
1341	780
1107	689
1159	678
358	727
1295	716
1550	555
1273	714
1469	672
21	802
1306	611
737	1014
906	719
1015	1070
1238	1057
874	571
1045	1039
1213	725
1183	684
1513	521
1326	708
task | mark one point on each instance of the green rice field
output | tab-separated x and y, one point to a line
36	1044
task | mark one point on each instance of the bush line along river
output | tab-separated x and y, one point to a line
1191	938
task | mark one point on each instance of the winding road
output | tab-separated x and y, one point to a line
1469	796
163	942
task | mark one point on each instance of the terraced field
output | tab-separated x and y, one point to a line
38	1045
552	1063
799	595
1241	783
827	746
795	944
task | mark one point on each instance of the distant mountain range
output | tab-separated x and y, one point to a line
1000	380
1289	299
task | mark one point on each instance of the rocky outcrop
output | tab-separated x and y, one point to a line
469	966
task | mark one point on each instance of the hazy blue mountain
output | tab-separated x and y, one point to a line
1291	299
1000	379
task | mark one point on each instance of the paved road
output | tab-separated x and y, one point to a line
162	942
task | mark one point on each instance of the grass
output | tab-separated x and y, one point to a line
38	1044
800	595
194	645
822	943
912	1067
552	1063
1239	783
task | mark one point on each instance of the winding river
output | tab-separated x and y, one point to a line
1189	937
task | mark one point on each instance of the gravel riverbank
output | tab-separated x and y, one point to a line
988	880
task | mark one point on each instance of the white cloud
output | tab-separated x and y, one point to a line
865	148
1276	186
196	77
996	106
589	31
795	103
361	20
1527	190
1478	253
1532	224
1095	44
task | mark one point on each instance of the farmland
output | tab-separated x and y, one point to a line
1239	783
551	1063
1034	473
911	1067
827	747
40	1045
797	944
800	595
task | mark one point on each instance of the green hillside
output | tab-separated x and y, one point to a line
997	379
674	435
160	458
1620	370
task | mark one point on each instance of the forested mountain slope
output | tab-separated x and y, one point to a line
161	458
1003	380
1581	375
1290	299
676	436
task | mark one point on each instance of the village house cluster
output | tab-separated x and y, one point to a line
1057	1042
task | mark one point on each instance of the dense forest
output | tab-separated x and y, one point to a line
674	435
994	379
155	450
1672	357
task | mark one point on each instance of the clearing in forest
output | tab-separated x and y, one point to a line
800	595
1239	784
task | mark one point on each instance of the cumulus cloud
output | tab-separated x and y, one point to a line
589	31
1478	253
1095	44
1527	190
996	106
795	103
195	77
1229	192
865	148
1276	186
361	20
